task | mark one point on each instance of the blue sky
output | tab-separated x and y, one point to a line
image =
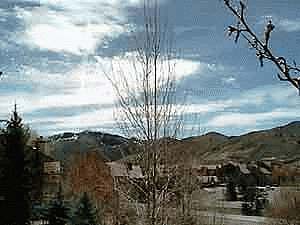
50	52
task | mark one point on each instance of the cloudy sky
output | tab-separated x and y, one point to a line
50	52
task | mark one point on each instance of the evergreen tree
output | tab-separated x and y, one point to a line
35	167
86	213
15	180
231	194
58	212
253	202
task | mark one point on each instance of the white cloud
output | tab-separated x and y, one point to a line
77	27
289	25
82	86
264	95
251	119
283	24
121	69
229	80
94	118
263	101
208	107
261	98
87	85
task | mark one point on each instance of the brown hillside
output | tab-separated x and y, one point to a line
281	143
193	149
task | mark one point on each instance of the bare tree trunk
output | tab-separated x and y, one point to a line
146	106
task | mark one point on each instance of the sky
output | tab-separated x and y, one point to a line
52	54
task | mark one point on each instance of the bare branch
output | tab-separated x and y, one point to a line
262	48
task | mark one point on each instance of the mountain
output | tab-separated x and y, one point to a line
193	148
280	142
111	147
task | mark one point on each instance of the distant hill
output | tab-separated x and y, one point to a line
280	142
194	148
111	147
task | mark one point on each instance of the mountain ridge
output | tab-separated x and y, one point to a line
282	142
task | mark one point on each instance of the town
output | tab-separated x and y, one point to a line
149	112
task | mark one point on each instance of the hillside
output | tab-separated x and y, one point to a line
280	142
194	148
111	147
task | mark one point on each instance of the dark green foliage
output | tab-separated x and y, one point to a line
58	212
248	205
231	194
253	201
85	213
15	175
39	212
35	168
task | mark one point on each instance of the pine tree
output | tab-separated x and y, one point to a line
86	213
231	194
35	168
58	212
15	179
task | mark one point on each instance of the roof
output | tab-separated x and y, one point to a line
268	159
232	163
244	169
207	179
122	170
209	167
52	167
264	170
136	172
268	163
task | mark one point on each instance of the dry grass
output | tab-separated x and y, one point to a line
285	206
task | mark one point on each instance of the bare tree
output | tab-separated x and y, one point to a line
186	183
145	84
287	71
88	173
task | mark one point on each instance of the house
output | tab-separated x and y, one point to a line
244	169
208	174
123	176
208	180
208	170
260	172
49	180
239	173
52	179
282	173
265	176
44	145
125	170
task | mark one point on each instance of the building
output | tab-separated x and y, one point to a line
282	173
52	180
44	145
207	174
125	170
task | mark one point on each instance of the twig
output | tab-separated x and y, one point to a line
263	51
